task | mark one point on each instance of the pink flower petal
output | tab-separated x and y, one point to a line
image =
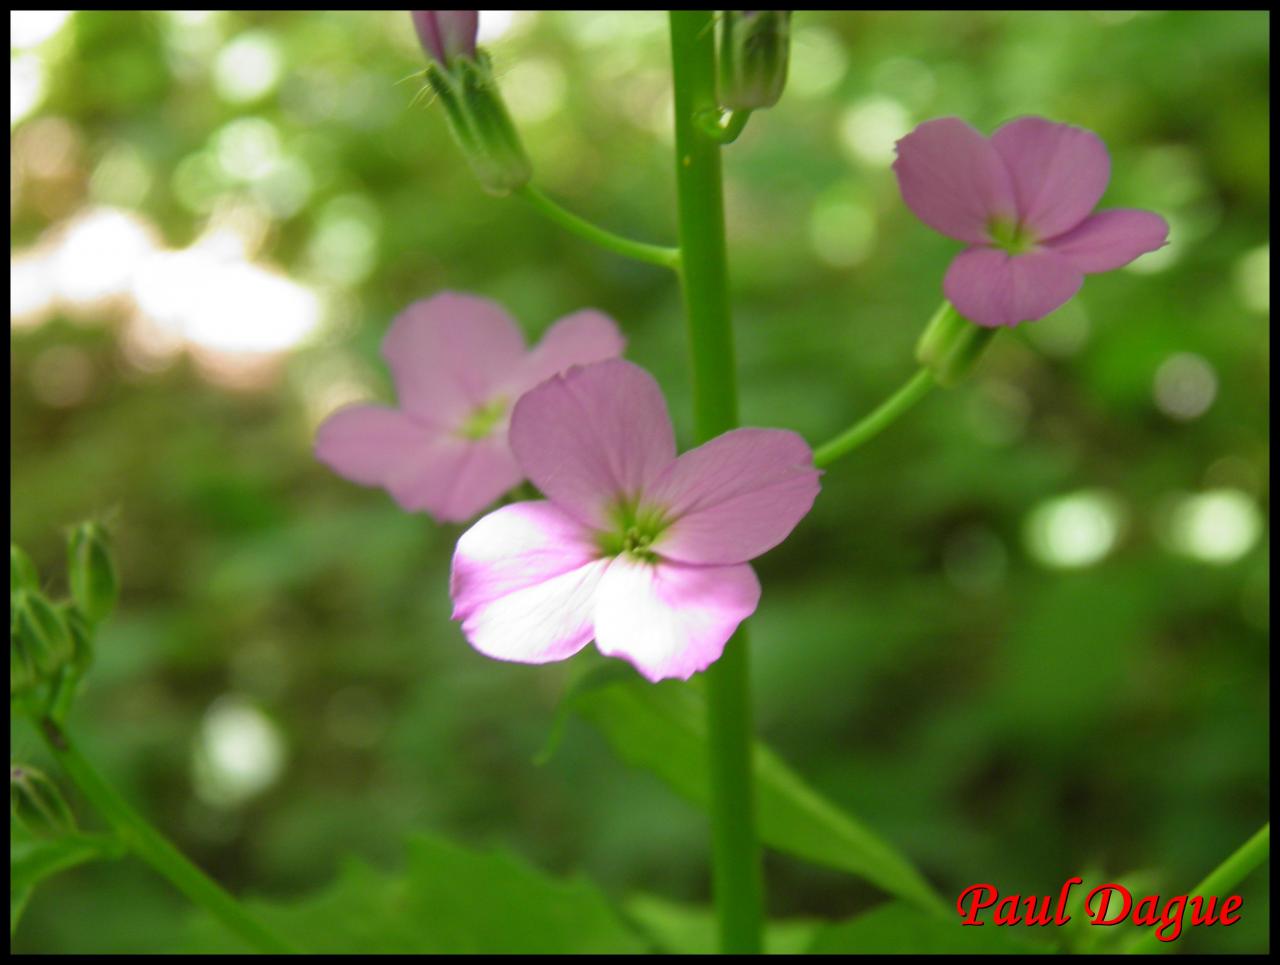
523	583
446	34
1111	239
449	354
578	339
736	496
953	180
990	287
370	443
1059	172
671	619
455	478
594	436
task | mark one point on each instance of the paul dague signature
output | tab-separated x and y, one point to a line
1100	906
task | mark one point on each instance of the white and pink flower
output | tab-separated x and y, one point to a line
635	547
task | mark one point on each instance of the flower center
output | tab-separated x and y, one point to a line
1010	236
481	421
634	532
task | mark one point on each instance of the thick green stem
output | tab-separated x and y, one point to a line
879	419
148	844
1220	882
737	879
639	250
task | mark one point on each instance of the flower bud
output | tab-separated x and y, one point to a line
22	572
754	49
36	804
950	345
40	643
81	637
22	672
447	34
480	124
91	573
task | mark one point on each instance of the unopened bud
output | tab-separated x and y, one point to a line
91	572
40	643
755	47
951	345
447	34
36	803
480	123
81	637
22	572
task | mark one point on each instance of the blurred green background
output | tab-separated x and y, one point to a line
1024	635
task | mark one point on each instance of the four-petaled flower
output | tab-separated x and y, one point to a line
1022	200
644	551
459	364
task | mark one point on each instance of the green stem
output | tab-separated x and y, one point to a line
1221	881
653	254
149	845
737	879
886	413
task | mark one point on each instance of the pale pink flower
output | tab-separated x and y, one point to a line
459	364
644	551
1023	199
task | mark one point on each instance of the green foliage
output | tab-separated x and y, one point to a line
896	929
449	900
680	929
33	860
662	728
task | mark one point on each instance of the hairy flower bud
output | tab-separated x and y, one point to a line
40	642
754	49
480	123
91	572
22	572
36	804
447	34
81	637
950	345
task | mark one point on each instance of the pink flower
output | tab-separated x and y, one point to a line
459	363
446	34
1022	200
643	551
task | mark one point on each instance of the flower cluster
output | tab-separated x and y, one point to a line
644	551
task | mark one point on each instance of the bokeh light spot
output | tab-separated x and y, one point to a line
1253	279
1185	386
247	68
818	62
870	128
1075	530
1219	526
240	753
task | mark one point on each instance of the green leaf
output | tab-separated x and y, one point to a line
448	900
692	930
661	728
32	860
896	928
